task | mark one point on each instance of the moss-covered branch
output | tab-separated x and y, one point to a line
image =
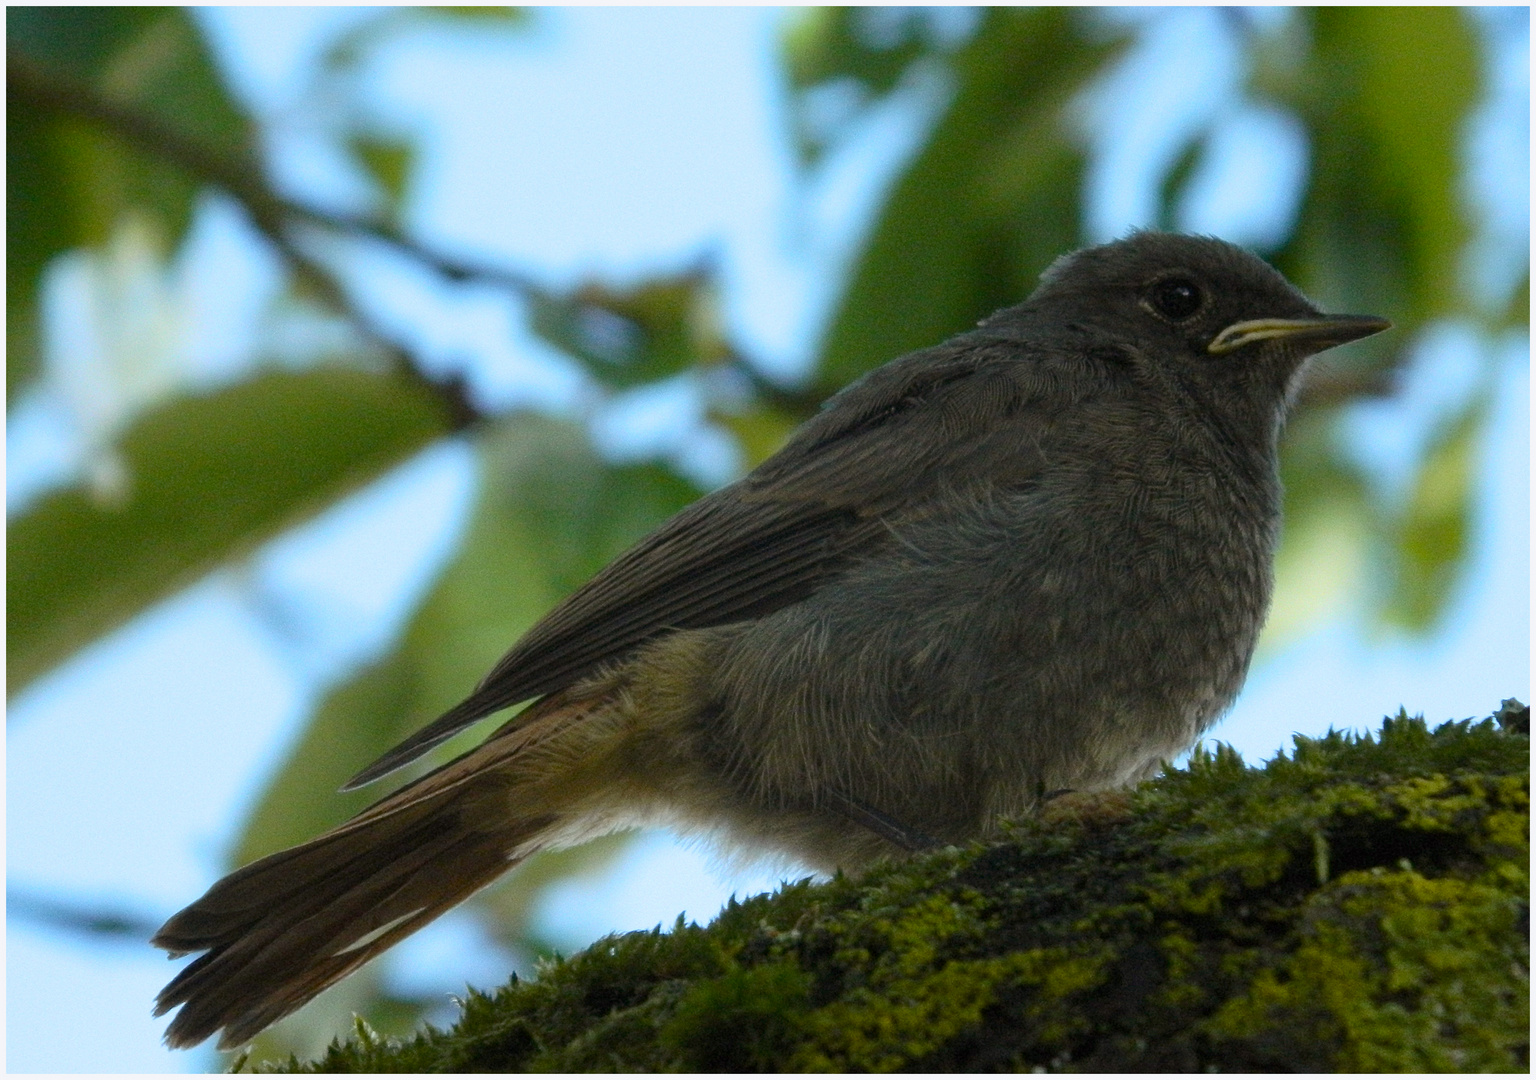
1359	904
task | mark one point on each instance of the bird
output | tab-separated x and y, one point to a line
1032	559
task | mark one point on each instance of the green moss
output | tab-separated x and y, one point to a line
1358	904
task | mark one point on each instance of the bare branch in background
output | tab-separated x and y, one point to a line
275	217
80	919
243	180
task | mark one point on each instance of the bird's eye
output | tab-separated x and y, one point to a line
1175	298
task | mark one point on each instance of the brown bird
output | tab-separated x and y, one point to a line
1033	558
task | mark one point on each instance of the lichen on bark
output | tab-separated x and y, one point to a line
1358	904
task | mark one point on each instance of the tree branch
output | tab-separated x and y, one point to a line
242	179
275	217
79	919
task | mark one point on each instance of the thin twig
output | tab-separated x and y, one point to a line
452	390
274	216
77	918
241	178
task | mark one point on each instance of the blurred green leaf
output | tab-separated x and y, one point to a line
211	477
104	182
865	50
1432	534
1385	94
1328	526
489	14
629	337
68	183
1177	178
992	198
152	58
873	46
351	48
1518	313
1418	81
82	40
38	226
354	723
760	431
388	162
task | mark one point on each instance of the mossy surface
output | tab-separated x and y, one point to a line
1359	904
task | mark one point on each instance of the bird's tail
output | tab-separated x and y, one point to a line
277	932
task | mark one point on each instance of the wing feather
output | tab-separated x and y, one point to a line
774	537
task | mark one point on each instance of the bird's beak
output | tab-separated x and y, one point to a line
1323	332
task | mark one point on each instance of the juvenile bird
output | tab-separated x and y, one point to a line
1035	557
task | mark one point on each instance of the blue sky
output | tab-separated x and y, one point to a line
606	142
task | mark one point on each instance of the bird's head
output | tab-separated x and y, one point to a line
1196	311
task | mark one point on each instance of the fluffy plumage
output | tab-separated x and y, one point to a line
1036	557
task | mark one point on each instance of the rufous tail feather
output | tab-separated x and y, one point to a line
279	931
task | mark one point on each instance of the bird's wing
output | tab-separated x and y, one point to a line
881	448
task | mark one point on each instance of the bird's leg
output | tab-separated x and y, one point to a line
882	825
